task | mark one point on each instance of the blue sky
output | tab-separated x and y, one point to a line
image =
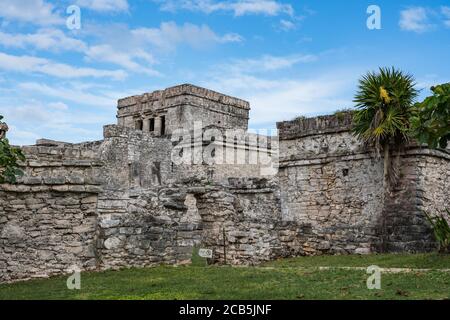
287	58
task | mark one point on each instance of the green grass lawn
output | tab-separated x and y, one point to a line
296	278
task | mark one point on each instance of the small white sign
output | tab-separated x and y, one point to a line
205	253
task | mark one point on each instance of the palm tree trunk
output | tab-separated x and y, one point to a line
386	164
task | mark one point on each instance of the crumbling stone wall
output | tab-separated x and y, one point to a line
181	106
144	228
330	180
45	232
423	187
242	222
48	220
122	202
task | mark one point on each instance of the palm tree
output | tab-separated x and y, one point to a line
384	104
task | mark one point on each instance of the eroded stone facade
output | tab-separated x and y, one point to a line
123	202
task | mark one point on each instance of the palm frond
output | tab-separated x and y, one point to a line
384	102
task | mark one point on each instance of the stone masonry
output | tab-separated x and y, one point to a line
123	201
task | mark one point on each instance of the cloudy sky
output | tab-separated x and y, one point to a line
287	58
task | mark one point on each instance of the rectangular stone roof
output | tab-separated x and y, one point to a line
188	92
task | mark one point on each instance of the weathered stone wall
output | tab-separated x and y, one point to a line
215	154
182	106
134	159
424	186
242	222
146	227
123	202
48	221
330	180
46	231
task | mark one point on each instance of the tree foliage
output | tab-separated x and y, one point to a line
431	119
9	158
441	230
384	103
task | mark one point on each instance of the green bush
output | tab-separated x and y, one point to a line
431	120
441	230
9	158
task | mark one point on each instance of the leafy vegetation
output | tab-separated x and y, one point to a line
431	119
9	157
441	230
384	106
340	114
297	278
299	118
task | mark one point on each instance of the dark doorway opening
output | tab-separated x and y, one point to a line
151	125
139	125
163	125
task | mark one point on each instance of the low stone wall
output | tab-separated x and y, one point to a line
242	224
48	220
146	227
46	229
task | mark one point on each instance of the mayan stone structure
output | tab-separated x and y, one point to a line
180	170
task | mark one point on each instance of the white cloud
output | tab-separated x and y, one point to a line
169	35
280	98
58	106
283	98
145	45
50	122
238	7
67	93
29	64
415	19
267	63
230	37
287	25
55	40
104	5
21	137
446	13
37	12
106	53
43	39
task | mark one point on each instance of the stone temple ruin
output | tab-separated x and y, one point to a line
146	194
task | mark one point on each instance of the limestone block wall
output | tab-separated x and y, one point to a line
424	187
330	180
145	227
45	231
183	105
134	159
215	154
209	113
48	220
241	222
142	219
122	202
